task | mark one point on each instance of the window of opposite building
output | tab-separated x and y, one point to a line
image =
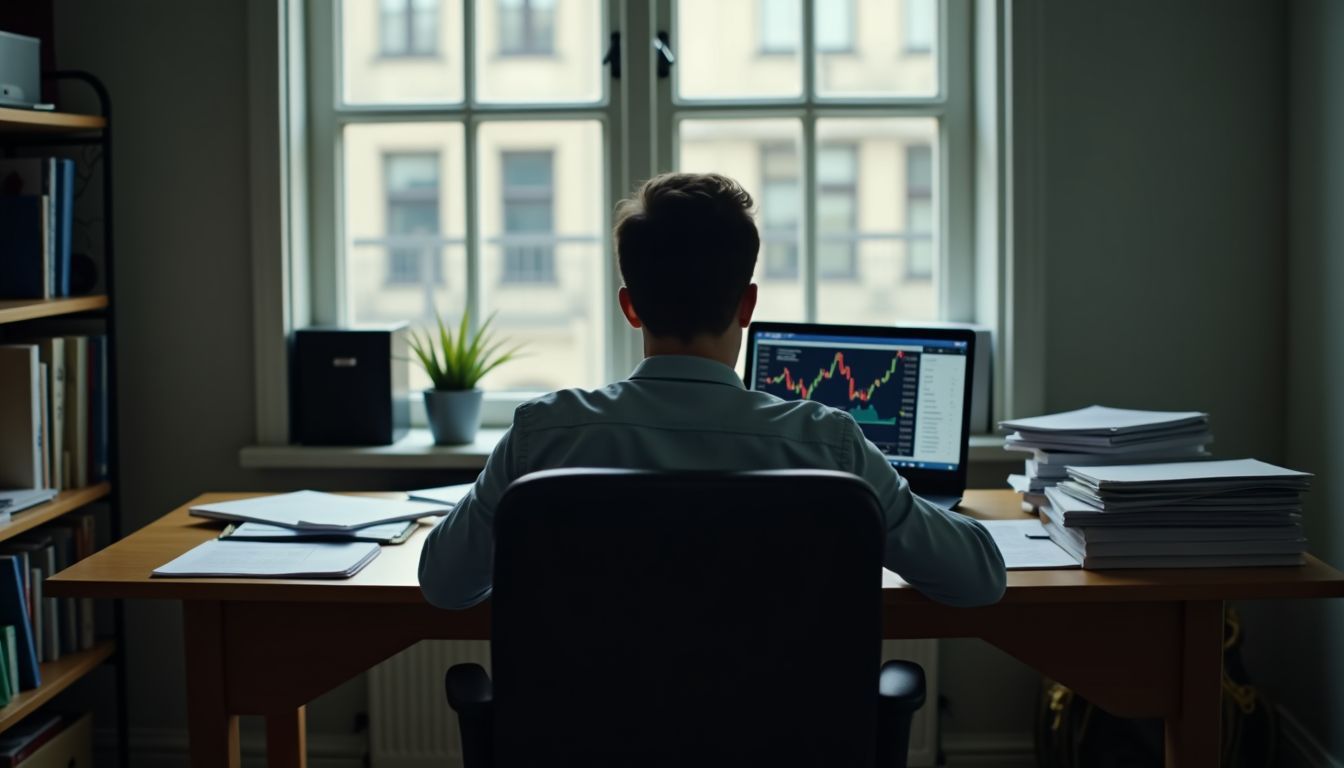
411	181
529	226
526	27
408	27
780	206
919	223
837	210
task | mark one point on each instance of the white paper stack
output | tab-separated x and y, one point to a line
314	511
1096	436
1195	514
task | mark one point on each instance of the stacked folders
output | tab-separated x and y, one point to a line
1202	514
1096	436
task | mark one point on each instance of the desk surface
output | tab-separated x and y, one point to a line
122	570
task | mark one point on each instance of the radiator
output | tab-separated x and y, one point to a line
411	726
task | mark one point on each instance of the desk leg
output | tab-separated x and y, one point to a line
1193	735
287	739
213	730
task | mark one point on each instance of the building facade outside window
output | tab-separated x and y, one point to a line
529	217
526	27
411	183
408	27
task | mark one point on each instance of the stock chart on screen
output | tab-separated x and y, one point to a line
906	394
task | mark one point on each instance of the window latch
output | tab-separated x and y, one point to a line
665	56
613	56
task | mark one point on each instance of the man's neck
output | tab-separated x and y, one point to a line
719	349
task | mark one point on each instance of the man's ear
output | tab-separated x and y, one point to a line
747	305
628	308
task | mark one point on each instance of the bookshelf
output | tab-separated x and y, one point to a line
35	121
19	310
37	134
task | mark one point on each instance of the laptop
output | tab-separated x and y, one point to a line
908	388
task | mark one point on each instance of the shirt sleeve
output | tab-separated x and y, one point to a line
457	563
946	556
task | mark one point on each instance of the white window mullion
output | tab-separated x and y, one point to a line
470	164
810	235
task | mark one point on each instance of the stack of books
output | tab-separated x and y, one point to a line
1096	436
1200	514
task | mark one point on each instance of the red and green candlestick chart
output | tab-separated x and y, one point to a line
862	411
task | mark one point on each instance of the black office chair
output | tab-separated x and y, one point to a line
664	619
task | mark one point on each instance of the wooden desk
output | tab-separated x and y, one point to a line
1138	643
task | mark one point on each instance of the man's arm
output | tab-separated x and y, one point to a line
949	557
457	563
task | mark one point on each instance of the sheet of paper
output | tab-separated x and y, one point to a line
260	531
312	510
448	494
1212	472
266	559
1026	546
1099	419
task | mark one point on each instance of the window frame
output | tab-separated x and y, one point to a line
291	225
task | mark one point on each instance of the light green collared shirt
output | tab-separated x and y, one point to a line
690	413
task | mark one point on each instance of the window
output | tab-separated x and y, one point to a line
483	183
919	211
529	229
837	210
918	24
779	210
409	27
526	27
412	189
780	32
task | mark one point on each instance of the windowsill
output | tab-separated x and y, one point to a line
417	451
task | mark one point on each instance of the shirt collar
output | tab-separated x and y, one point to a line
687	368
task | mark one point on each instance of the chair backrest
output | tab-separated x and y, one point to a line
645	618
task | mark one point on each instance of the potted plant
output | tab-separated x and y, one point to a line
455	364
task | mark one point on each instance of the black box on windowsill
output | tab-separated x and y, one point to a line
350	386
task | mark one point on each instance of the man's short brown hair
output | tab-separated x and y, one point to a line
686	244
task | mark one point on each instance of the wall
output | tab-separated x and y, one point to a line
1280	635
1164	127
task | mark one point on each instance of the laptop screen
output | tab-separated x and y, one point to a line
907	388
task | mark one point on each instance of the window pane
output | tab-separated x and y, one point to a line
890	49
405	223
542	252
539	51
835	25
401	51
878	241
764	156
741	49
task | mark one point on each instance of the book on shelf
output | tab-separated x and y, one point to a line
9	635
37	216
14	612
53	425
20	417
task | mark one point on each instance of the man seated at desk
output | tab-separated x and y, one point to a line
687	248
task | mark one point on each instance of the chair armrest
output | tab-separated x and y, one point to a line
900	687
900	693
468	685
472	697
